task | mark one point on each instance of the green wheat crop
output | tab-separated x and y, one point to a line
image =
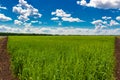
62	57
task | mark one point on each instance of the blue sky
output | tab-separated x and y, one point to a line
81	17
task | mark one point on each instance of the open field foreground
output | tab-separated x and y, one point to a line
62	57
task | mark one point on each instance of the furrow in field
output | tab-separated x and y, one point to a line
5	72
117	54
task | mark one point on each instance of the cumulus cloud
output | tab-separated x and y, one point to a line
118	18
97	22
102	4
113	23
4	18
26	11
60	14
17	22
59	30
104	23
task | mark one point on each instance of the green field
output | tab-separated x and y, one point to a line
62	57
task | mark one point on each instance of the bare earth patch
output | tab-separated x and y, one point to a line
117	55
5	71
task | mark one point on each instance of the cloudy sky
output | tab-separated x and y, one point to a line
76	17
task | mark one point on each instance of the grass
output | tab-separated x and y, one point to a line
62	57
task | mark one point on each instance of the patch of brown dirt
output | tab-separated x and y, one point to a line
117	55
5	71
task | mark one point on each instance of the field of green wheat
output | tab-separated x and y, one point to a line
62	57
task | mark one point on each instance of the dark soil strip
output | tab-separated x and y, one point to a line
5	71
117	54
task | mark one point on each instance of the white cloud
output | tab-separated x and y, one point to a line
102	4
105	23
23	18
25	11
106	18
55	18
60	31
17	22
114	23
118	18
97	22
4	18
71	19
4	28
1	7
82	2
62	15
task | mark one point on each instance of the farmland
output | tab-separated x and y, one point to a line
62	57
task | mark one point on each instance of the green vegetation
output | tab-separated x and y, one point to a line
62	57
